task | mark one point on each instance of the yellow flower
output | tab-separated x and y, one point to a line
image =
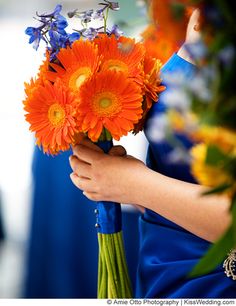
223	138
206	175
213	175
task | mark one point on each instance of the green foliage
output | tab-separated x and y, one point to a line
219	189
215	157
218	251
215	255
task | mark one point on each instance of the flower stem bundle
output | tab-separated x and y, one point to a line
113	276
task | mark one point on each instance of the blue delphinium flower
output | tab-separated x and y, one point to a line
89	33
73	37
111	5
115	30
54	14
57	40
52	31
85	16
98	14
60	24
52	27
35	36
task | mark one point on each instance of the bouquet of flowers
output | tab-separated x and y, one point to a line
102	84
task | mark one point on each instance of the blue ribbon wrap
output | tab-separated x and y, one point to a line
108	214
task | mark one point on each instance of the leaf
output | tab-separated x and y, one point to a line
219	189
215	255
108	135
215	156
230	167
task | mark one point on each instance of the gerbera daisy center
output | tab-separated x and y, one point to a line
56	114
106	104
116	65
78	77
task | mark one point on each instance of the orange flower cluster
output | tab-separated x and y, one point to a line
171	17
167	29
157	44
107	83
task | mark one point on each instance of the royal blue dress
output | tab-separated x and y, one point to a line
168	252
63	250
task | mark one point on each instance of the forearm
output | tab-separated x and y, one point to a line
183	204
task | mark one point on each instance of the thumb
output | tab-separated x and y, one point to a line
117	151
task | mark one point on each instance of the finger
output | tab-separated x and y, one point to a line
89	144
81	168
117	151
79	137
86	154
93	196
81	182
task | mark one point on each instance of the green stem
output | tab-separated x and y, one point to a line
102	274
100	268
110	256
124	264
113	277
119	266
109	264
105	20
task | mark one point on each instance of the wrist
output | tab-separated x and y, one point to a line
144	187
136	184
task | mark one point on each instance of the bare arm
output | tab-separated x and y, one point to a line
183	203
128	180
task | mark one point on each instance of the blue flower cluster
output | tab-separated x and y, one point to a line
52	27
99	14
52	31
88	15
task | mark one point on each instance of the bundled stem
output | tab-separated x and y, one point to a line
113	276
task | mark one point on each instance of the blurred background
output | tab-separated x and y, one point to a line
25	261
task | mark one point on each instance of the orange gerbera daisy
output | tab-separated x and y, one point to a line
157	44
109	100
79	62
121	54
29	89
152	87
172	17
152	78
51	111
44	67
